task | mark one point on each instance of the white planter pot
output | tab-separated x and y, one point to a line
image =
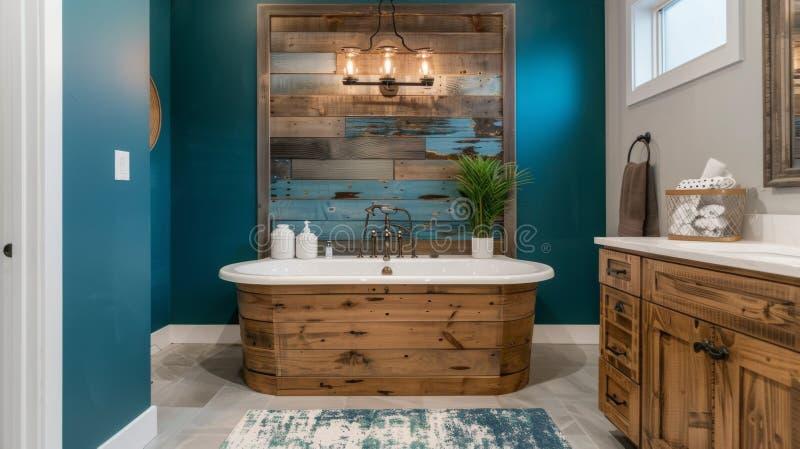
482	247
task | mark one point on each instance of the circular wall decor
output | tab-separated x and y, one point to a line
155	114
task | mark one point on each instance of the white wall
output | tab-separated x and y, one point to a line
719	115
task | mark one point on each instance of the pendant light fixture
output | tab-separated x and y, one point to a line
388	84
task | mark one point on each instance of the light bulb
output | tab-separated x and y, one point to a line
350	68
425	62
387	65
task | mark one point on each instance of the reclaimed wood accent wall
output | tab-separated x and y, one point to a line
336	149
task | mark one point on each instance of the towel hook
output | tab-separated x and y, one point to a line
645	139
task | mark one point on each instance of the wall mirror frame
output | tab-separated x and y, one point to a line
266	96
781	34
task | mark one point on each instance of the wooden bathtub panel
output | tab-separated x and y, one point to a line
402	307
387	362
386	386
375	335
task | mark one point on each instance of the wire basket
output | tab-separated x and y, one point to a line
711	215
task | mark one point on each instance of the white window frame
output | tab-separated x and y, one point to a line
644	50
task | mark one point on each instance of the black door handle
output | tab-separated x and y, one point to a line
8	250
716	353
617	352
616	401
616	272
619	307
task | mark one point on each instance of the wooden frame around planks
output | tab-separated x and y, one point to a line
267	11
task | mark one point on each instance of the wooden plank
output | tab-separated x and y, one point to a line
342	169
353	210
385	289
449	148
416	335
386	386
291	189
306	127
386	308
429	106
335	230
407	23
281	169
388	362
303	63
347	148
429	169
443	63
323	42
453	127
324	84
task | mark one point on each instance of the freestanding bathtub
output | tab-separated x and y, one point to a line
451	325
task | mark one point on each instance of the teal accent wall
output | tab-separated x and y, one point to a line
161	165
106	223
560	137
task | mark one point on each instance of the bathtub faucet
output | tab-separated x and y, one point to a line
387	211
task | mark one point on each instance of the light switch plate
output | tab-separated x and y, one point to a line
122	165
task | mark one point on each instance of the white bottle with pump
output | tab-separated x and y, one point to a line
306	247
282	242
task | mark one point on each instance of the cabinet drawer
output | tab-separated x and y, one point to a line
621	271
619	331
763	309
619	401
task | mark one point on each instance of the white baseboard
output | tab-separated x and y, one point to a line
137	433
576	334
571	334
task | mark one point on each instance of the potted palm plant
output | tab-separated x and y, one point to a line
487	184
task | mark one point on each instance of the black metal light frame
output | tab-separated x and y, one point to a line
388	85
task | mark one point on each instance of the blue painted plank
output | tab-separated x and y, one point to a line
365	190
423	126
350	210
452	148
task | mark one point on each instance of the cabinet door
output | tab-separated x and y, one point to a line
677	382
757	394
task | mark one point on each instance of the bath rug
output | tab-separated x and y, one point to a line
396	429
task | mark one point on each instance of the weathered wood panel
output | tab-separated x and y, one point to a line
386	386
306	127
302	63
352	230
353	210
323	84
323	42
416	335
459	127
448	148
342	169
428	169
347	148
429	106
443	63
386	308
407	23
281	169
366	190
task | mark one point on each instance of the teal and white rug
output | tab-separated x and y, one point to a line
396	429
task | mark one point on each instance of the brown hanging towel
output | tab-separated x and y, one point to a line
638	204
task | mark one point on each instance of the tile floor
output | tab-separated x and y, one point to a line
200	396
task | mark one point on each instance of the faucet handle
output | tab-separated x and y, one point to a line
400	243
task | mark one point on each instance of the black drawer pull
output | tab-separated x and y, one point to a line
616	272
716	353
617	352
619	307
616	401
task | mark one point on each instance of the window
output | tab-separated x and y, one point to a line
673	42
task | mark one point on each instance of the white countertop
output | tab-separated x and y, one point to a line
769	258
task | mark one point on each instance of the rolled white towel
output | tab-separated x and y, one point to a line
718	182
712	211
713	233
684	229
711	224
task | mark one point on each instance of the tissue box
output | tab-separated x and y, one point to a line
711	215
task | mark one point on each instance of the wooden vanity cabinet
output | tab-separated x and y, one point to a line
719	366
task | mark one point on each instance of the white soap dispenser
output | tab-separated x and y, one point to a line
306	243
282	242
